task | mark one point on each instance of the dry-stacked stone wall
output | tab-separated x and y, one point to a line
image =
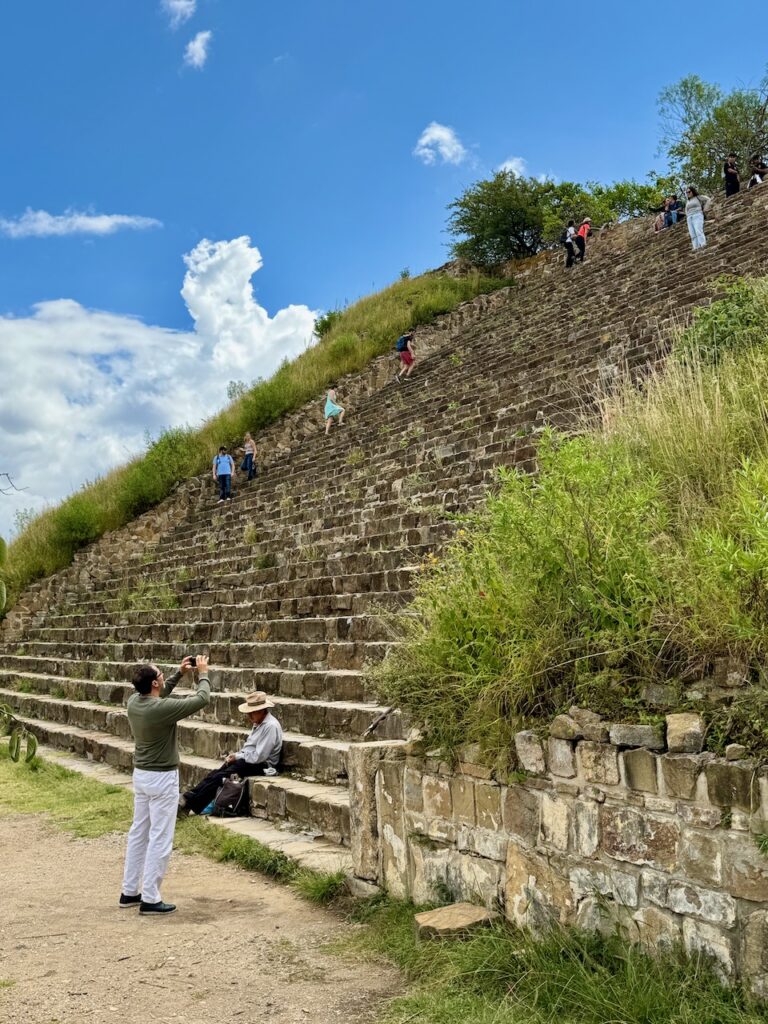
605	826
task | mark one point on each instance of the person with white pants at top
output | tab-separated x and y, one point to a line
153	717
695	208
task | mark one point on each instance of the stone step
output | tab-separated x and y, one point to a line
330	655
321	719
303	847
45	674
321	808
303	756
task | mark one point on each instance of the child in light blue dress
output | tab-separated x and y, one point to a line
332	409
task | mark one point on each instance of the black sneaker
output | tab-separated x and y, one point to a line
129	901
157	908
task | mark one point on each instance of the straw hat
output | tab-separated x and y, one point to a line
256	701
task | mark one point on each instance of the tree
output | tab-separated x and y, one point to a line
700	125
497	220
510	217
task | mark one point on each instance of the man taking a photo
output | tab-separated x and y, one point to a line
153	719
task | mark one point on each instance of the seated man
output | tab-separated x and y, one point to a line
260	754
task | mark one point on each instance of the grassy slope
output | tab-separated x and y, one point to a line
363	331
637	555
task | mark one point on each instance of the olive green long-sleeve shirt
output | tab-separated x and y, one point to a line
153	723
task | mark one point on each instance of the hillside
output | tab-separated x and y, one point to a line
290	587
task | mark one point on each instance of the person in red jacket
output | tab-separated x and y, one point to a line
584	232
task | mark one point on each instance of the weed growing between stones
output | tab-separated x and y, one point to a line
319	887
504	976
146	596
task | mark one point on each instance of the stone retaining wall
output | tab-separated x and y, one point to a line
607	826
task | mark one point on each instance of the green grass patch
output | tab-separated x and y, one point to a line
355	336
147	595
319	887
505	976
638	554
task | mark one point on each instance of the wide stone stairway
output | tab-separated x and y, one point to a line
293	587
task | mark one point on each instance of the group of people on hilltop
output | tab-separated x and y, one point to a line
694	209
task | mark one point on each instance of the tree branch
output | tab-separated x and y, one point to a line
7	486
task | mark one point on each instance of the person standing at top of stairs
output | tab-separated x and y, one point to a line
731	175
153	719
223	468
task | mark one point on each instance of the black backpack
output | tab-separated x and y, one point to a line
564	236
233	799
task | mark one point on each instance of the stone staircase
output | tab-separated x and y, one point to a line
293	587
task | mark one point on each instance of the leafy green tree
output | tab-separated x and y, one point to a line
700	125
497	220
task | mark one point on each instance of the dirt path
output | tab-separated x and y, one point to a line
239	948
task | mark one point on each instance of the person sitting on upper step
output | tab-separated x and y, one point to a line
259	755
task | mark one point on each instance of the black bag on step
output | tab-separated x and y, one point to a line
233	799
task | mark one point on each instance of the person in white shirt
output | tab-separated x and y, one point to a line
695	208
259	755
570	235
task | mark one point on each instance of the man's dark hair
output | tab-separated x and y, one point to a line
222	449
571	224
143	678
731	155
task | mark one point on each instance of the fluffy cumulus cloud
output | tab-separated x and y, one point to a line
196	53
40	224
179	11
85	385
439	144
515	165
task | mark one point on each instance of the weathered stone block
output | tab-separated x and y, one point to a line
755	962
537	890
561	759
713	942
454	921
488	806
701	856
637	736
735	752
679	773
640	769
595	914
621	886
565	728
555	821
733	785
745	868
640	838
520	813
599	763
463	800
585	828
437	797
657	929
685	733
700	817
530	752
483	842
412	792
691	900
591	724
730	672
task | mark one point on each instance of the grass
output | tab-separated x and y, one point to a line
358	334
637	554
89	809
146	596
505	976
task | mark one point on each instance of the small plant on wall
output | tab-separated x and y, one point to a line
19	735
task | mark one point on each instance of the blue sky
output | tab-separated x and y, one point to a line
297	128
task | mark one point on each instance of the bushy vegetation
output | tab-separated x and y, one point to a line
364	330
509	217
638	553
505	976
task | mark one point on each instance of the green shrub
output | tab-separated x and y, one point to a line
350	340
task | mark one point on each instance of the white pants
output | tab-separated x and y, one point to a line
696	230
150	839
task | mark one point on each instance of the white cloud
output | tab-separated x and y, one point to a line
515	165
438	141
87	384
40	224
196	53
179	11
